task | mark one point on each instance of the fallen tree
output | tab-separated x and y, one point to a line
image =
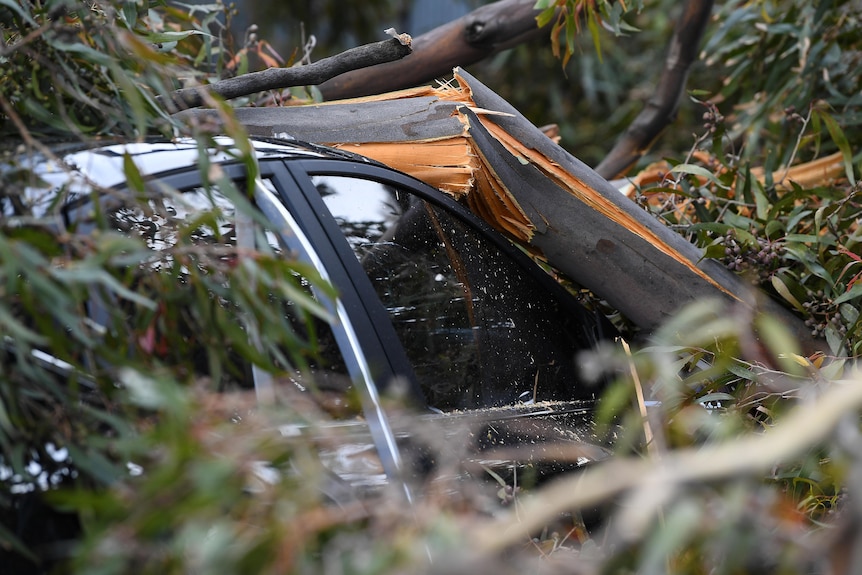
469	142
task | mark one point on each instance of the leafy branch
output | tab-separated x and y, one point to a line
567	16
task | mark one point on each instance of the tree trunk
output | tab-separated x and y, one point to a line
531	189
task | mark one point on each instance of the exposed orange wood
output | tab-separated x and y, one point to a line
448	165
594	199
819	172
452	165
498	206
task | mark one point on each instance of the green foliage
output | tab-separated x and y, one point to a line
710	391
795	235
212	488
783	88
168	476
772	56
721	375
567	14
66	73
186	315
801	245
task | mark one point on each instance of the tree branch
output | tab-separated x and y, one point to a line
310	75
661	108
525	185
481	33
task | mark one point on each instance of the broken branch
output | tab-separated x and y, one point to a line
661	108
310	75
481	33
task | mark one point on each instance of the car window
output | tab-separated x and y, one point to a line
478	329
172	214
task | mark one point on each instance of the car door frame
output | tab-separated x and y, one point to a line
381	353
378	340
303	168
363	338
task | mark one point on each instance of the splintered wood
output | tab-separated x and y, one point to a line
451	163
448	165
446	162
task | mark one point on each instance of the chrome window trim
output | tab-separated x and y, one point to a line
345	335
245	240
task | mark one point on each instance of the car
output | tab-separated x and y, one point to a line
430	303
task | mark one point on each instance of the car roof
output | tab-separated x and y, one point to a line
78	168
104	164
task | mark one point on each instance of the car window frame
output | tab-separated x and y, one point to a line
304	168
296	201
367	352
370	317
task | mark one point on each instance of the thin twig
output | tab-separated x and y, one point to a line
805	121
652	448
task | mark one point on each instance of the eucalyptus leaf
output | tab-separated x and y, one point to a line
715	396
87	274
835	340
19	10
780	343
840	140
96	465
694	170
850	294
170	36
848	312
779	286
